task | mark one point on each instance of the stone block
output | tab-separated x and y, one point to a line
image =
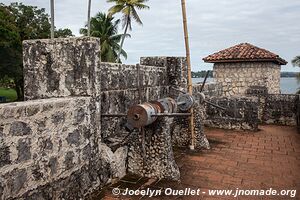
116	160
53	164
74	138
241	113
4	156
153	156
58	117
39	141
24	150
17	179
280	109
61	67
249	73
19	128
68	160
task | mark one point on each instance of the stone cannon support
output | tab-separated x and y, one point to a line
152	155
177	78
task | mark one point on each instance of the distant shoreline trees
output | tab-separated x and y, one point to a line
201	74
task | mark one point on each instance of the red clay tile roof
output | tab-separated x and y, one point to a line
244	52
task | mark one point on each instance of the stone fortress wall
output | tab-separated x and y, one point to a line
51	144
47	144
237	78
243	83
123	86
56	145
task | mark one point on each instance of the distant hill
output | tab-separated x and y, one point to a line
201	74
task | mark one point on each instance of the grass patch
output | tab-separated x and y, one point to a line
10	94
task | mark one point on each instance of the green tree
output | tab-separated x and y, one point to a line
105	28
63	33
19	22
10	49
202	74
32	22
129	12
296	61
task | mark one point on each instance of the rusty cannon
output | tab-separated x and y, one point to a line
145	114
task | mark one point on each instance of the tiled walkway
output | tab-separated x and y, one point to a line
266	159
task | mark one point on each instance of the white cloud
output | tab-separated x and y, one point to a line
213	26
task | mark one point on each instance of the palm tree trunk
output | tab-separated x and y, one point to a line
122	41
89	18
52	18
188	59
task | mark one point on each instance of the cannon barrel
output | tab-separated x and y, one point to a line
145	114
142	114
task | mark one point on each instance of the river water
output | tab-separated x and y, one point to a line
288	85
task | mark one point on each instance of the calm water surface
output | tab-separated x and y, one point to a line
288	85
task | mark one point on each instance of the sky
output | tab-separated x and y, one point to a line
213	25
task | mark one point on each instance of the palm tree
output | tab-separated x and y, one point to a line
105	28
52	18
296	63
128	10
89	18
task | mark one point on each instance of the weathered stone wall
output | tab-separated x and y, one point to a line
153	155
176	69
236	78
52	139
181	134
177	78
126	85
210	89
121	88
46	144
54	146
241	113
61	67
279	109
245	113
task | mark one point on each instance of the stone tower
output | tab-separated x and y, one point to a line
244	66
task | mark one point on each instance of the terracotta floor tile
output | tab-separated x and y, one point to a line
266	159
